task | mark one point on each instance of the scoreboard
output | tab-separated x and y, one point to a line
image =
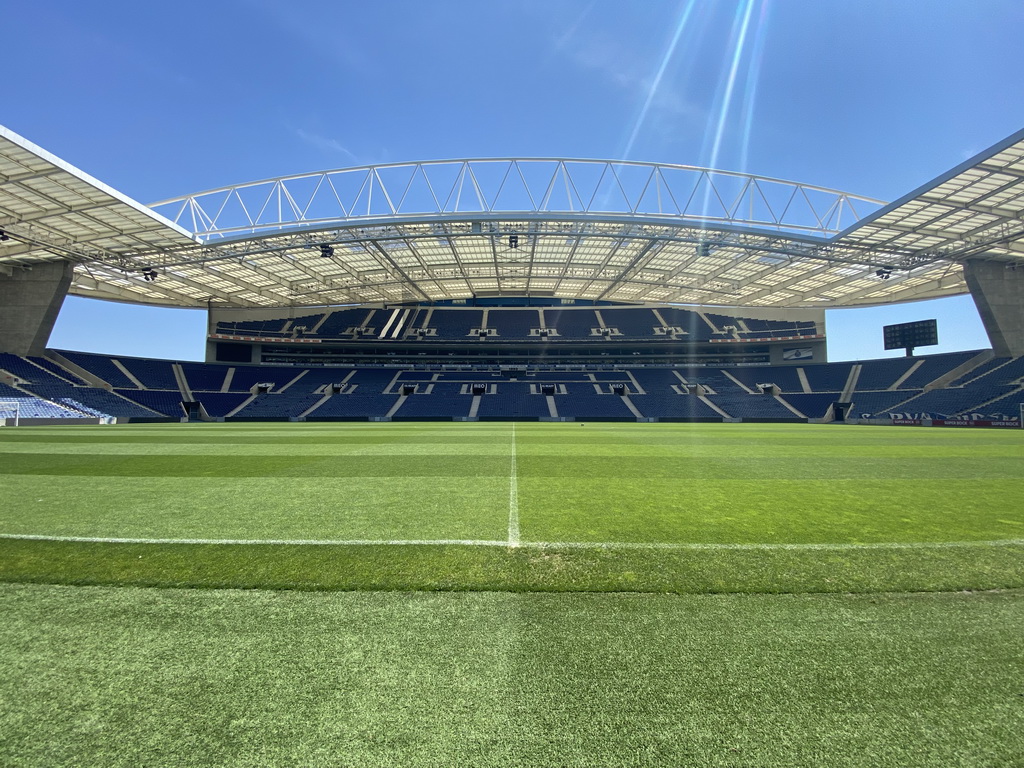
922	333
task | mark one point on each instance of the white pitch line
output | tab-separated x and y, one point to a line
303	542
513	497
527	544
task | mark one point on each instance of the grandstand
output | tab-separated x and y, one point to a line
557	310
619	391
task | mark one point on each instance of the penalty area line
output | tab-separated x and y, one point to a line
524	544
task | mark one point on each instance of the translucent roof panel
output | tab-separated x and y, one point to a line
597	229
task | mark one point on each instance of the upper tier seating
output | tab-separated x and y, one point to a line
274	328
978	372
316	379
205	377
254	327
934	367
455	323
831	377
248	376
101	366
656	380
882	374
57	370
154	374
631	323
1007	374
990	384
340	322
740	327
23	369
785	378
46	385
571	323
691	322
712	377
765	328
372	380
513	323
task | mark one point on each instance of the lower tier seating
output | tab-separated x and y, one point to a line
48	390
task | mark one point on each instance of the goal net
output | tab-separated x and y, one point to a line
10	413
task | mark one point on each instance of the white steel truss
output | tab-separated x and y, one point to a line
516	186
593	229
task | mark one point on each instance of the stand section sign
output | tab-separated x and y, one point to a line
974	420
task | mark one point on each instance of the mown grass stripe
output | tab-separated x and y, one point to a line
499	567
528	544
437	464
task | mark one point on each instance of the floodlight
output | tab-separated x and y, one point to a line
326	250
513	241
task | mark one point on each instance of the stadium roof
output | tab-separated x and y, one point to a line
591	229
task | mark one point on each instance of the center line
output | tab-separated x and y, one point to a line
513	497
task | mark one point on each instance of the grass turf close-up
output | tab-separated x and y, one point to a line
511	594
128	677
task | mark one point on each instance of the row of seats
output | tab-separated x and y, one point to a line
521	324
689	392
994	389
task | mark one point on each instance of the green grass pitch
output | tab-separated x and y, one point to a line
486	594
638	507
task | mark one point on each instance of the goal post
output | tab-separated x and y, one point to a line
10	410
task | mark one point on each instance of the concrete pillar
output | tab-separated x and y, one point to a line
998	291
30	300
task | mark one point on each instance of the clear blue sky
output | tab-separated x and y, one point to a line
873	97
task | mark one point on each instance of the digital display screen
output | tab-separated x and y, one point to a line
922	333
